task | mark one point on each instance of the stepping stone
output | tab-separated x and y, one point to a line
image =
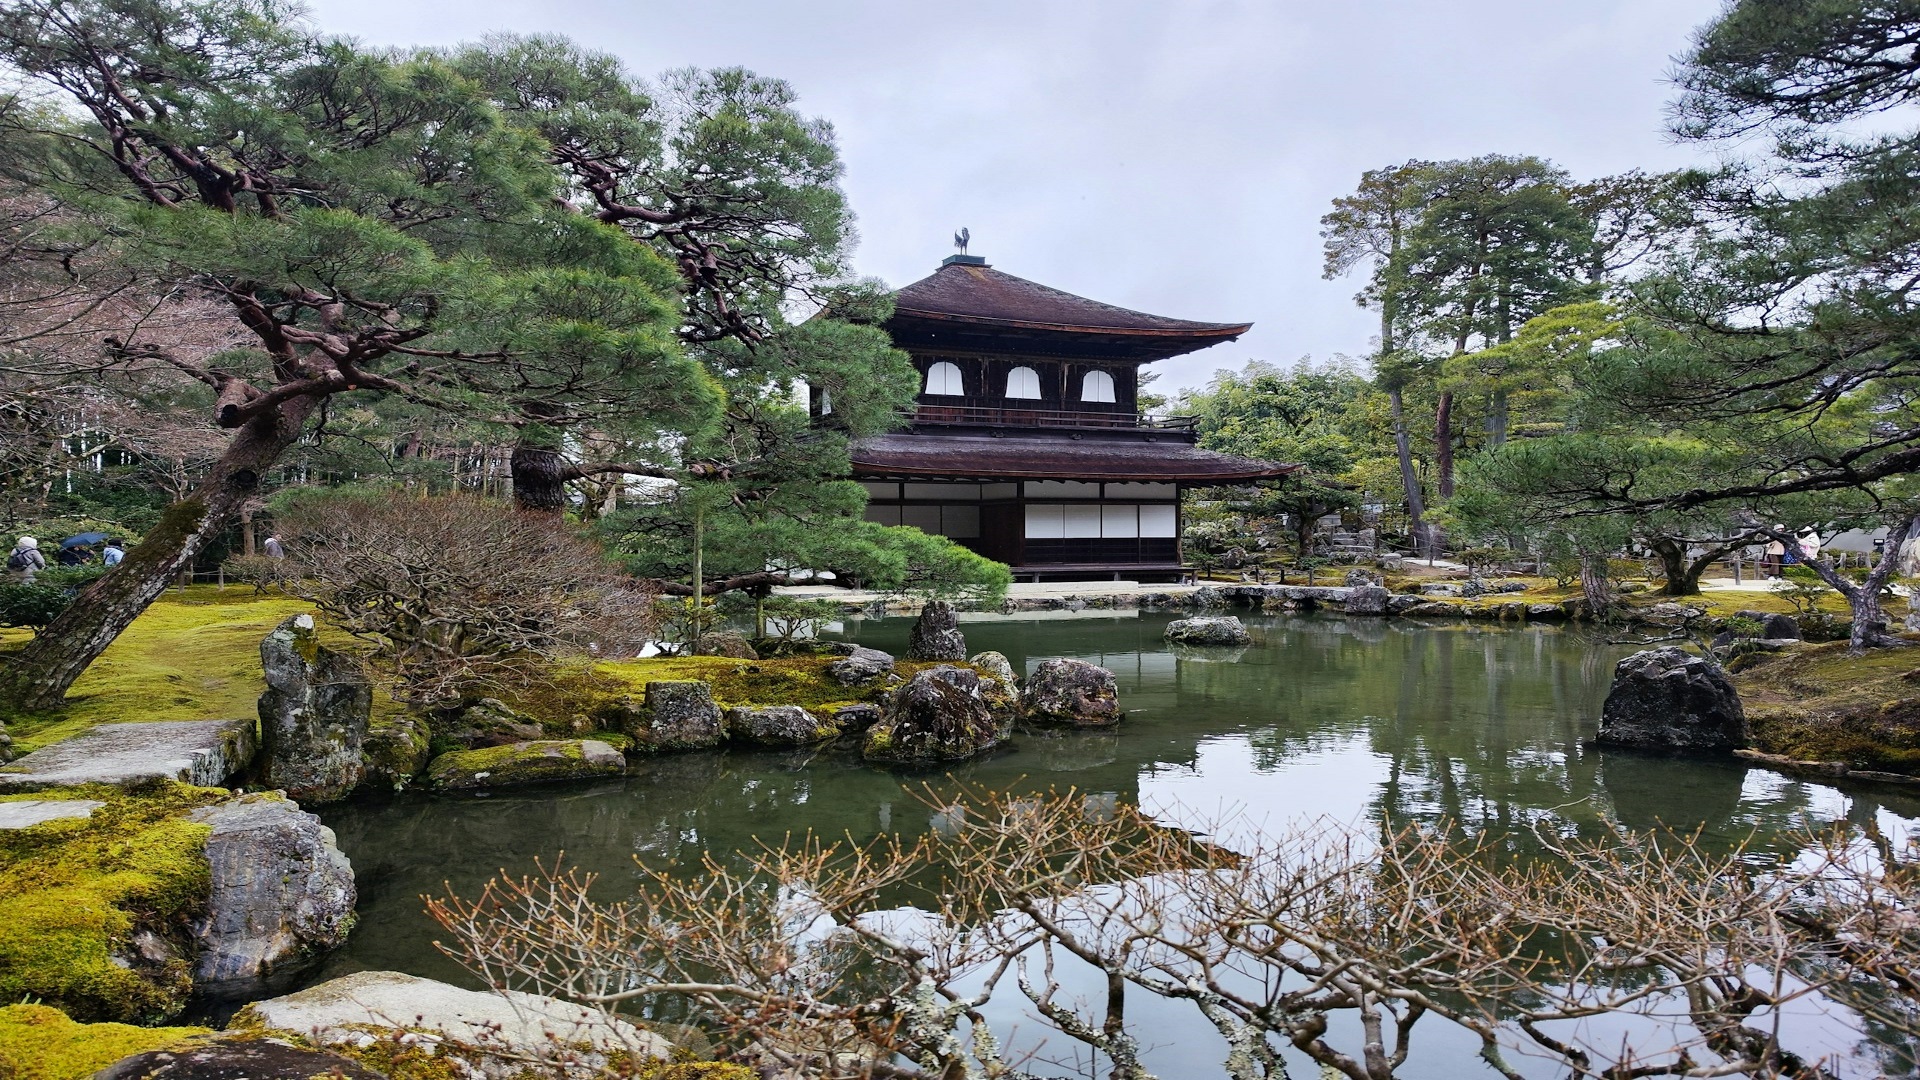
204	752
19	815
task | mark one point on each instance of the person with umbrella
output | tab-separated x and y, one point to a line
115	550
77	550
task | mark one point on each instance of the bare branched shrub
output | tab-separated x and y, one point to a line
880	960
460	596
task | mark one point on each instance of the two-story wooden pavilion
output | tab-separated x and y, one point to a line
1027	444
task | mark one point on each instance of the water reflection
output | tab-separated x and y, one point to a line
1363	720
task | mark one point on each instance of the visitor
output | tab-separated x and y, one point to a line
115	551
1809	546
77	555
1774	558
273	549
26	560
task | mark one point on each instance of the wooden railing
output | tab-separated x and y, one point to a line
1049	418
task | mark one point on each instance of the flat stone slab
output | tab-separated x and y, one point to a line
20	815
511	1022
204	752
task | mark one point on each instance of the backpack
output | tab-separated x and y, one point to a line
18	560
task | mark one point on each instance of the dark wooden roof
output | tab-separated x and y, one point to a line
967	304
983	457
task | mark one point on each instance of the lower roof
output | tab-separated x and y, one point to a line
1012	457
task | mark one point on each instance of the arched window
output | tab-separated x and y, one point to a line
1022	382
944	378
1096	386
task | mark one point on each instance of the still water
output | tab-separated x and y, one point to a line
1357	720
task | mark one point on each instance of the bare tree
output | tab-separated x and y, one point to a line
459	595
806	957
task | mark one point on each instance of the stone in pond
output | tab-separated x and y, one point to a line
778	725
237	1057
500	1034
938	715
1071	692
396	750
201	752
862	665
856	717
680	714
1367	600
997	666
1670	699
313	716
545	761
1208	630
936	634
282	896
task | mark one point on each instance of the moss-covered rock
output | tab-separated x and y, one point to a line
42	1043
95	911
396	750
939	715
778	725
542	761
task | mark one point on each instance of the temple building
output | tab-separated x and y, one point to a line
1027	443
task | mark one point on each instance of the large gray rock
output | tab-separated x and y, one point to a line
538	762
862	665
396	751
679	715
1670	699
282	896
778	725
1367	600
936	634
1071	692
500	1034
313	717
1208	630
938	715
203	752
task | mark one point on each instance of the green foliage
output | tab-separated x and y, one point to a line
35	604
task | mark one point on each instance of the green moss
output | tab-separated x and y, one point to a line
794	680
1820	703
74	891
517	763
190	656
41	1043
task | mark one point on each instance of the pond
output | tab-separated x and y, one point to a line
1359	720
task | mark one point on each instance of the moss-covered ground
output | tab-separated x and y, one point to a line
41	1043
1819	703
74	892
192	655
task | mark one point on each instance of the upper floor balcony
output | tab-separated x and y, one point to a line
1011	414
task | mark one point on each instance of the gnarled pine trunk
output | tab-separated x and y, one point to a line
539	479
38	677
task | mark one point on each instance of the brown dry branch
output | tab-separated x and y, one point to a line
880	960
460	596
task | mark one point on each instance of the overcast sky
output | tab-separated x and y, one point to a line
1173	157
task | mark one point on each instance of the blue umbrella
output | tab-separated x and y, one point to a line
78	539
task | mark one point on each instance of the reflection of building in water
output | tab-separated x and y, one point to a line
1027	444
